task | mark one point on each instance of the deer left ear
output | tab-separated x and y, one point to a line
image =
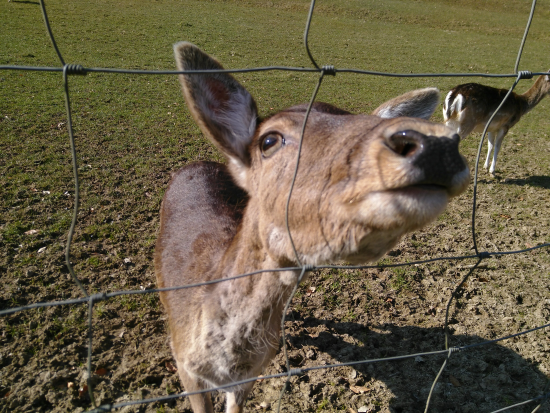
221	106
420	103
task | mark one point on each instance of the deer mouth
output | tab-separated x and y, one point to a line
423	190
421	197
452	184
428	187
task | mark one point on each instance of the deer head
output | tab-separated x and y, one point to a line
363	181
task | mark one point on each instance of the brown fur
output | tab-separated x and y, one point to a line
363	182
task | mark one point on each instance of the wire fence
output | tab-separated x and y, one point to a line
72	69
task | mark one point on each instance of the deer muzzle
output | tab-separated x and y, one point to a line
433	161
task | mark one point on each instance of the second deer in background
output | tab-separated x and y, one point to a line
468	108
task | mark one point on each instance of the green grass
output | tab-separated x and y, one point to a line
403	277
323	405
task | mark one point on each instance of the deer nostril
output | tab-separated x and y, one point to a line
405	143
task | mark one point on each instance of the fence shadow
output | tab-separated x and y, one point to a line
485	378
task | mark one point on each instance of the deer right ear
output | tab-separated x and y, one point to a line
221	106
420	103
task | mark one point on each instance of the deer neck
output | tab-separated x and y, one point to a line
259	298
247	251
237	330
535	94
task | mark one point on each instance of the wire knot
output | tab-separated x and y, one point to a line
74	69
329	70
308	267
454	350
525	74
295	372
483	255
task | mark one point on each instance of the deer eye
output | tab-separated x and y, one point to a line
271	143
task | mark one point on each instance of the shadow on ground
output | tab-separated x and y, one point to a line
480	379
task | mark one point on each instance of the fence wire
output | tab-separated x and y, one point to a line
73	69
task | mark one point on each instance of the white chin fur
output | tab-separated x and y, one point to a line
391	215
408	208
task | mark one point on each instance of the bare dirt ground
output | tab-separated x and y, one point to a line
337	316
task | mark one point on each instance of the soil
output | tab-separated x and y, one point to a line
338	316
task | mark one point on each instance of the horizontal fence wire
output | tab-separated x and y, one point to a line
106	296
86	70
72	69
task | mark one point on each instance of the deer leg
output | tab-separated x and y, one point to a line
490	146
235	400
201	403
498	144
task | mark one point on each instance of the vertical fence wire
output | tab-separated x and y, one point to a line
66	70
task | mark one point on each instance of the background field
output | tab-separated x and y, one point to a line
132	131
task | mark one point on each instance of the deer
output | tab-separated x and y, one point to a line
468	108
363	182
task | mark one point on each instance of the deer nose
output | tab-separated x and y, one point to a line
437	157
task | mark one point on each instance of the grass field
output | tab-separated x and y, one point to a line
132	131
